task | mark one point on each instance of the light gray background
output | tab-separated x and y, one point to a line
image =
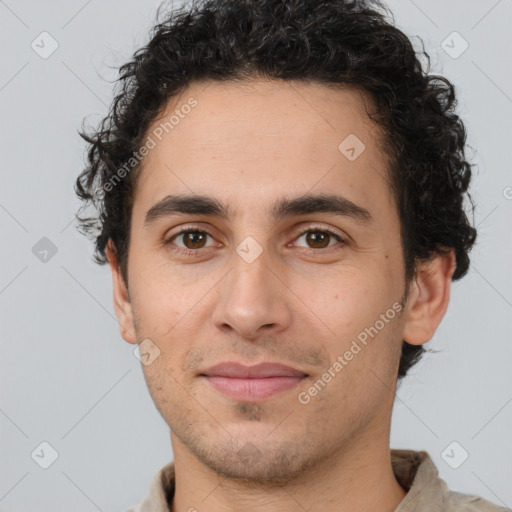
67	376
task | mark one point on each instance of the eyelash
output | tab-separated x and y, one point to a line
197	252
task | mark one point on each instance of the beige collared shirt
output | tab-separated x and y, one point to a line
415	472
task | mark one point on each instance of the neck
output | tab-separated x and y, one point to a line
358	477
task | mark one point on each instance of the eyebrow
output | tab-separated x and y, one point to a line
283	208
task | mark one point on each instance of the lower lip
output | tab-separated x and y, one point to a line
253	389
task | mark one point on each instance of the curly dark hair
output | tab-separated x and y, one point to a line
333	42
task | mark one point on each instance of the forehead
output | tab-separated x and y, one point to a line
259	137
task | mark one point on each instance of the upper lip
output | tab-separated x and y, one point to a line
237	370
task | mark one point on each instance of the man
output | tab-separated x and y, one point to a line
281	188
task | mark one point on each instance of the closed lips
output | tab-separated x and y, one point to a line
260	371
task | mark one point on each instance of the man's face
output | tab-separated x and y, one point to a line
257	288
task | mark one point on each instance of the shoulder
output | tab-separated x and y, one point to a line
427	492
142	506
160	493
458	502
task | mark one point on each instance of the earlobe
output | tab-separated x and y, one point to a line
122	304
429	298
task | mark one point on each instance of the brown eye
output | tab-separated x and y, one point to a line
193	239
319	239
188	240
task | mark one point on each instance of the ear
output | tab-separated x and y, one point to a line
122	304
429	298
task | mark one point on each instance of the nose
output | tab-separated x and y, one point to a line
253	299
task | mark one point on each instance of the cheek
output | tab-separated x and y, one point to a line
344	298
350	303
163	298
164	387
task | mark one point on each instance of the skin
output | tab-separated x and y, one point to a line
248	145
